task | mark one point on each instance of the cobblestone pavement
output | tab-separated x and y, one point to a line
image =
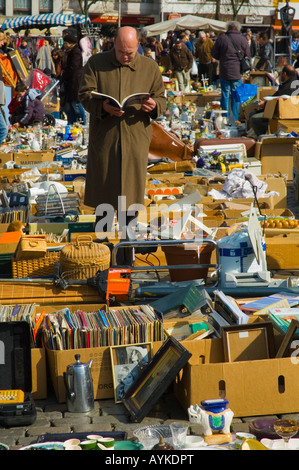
53	417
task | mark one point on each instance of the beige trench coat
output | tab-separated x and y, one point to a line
118	147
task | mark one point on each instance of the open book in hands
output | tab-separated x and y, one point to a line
131	99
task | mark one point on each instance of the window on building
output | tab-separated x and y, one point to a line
21	7
45	6
2	7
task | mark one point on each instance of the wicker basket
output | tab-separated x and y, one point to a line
83	258
42	266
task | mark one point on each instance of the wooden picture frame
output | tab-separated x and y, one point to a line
259	78
155	378
253	341
19	65
283	350
127	362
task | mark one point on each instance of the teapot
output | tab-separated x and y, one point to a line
79	387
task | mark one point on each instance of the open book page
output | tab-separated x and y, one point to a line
131	99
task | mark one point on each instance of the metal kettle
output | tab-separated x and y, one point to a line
79	387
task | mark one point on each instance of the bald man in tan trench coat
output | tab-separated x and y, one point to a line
119	140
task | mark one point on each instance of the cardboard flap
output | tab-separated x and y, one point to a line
269	109
282	108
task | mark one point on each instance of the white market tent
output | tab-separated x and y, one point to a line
191	22
47	19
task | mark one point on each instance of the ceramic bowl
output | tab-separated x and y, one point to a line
88	444
73	447
107	442
94	437
71	442
194	441
3	446
127	445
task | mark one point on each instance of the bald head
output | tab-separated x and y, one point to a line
126	44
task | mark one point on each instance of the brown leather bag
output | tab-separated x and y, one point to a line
167	144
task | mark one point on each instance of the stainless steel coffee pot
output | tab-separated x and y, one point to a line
79	387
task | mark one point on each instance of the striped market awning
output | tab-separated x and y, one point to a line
48	19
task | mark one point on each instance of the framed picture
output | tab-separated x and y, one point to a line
19	65
248	342
155	378
259	78
291	333
127	363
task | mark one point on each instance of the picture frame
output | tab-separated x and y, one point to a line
283	350
253	341
127	361
19	65
259	78
155	378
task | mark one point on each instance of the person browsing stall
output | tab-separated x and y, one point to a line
30	110
119	139
229	65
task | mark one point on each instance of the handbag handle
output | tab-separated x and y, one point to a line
240	55
87	238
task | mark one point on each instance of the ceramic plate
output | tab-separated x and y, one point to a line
278	444
45	446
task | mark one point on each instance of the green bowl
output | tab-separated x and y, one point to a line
127	445
88	444
106	441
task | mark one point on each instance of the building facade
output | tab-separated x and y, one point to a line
10	8
142	12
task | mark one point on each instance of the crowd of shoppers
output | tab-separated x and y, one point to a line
204	56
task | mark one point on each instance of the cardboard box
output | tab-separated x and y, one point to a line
282	108
276	155
200	99
101	371
252	388
71	175
6	157
296	170
263	91
28	158
285	125
278	184
39	373
282	250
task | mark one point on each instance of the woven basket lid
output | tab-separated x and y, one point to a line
84	250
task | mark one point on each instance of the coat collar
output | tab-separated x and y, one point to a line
132	64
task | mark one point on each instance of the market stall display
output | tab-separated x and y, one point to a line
201	329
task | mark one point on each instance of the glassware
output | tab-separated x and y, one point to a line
179	433
286	428
148	437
